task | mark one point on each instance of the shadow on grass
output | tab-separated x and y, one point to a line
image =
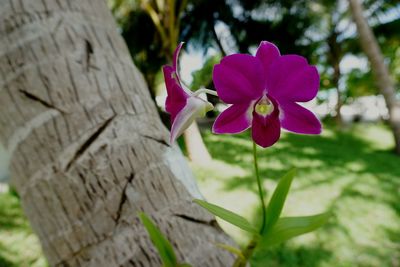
11	216
337	149
4	262
335	155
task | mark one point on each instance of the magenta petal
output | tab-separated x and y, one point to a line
291	78
267	53
235	119
175	61
297	119
176	56
177	97
265	131
239	78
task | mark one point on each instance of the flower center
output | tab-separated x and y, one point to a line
264	106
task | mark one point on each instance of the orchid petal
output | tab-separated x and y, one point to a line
300	120
234	119
291	78
175	61
266	130
176	56
239	78
195	107
177	97
267	53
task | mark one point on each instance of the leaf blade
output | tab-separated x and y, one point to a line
163	246
227	215
278	199
289	227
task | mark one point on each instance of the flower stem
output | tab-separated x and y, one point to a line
247	252
260	190
205	90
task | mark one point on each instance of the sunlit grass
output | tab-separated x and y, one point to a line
351	171
19	247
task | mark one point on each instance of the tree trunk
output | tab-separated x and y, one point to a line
87	145
334	58
380	70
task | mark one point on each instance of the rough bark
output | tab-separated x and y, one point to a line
88	148
381	72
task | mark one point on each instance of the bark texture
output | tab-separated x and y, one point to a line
88	148
384	82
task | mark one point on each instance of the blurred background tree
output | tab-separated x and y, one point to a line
322	31
384	82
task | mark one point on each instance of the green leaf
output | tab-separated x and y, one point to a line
289	227
278	198
228	216
162	244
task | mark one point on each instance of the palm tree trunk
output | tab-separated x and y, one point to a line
380	70
88	150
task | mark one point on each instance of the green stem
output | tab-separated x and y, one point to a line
260	190
248	251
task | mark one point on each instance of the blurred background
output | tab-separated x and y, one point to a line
352	167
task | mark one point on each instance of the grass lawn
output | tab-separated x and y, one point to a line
19	247
351	172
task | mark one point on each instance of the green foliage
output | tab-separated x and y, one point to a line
289	227
249	22
360	83
203	76
200	19
228	216
278	199
164	247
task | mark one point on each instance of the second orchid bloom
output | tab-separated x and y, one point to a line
183	105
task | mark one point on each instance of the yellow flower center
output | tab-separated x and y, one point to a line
264	107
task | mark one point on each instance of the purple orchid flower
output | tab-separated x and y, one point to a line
264	90
183	105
